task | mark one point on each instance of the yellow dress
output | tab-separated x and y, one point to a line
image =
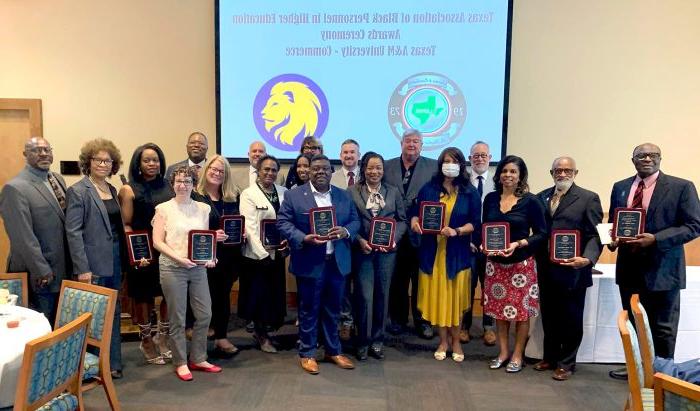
440	300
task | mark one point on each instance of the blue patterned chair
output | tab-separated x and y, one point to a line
673	394
51	374
639	398
17	284
77	298
646	343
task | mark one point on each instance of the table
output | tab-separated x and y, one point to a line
12	341
601	337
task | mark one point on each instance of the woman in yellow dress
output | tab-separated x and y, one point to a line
445	258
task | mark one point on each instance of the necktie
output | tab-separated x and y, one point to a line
351	179
555	202
57	191
638	195
480	186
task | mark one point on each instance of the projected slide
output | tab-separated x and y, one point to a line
366	70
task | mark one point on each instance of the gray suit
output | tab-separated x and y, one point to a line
34	223
172	167
407	255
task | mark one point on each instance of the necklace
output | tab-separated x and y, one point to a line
103	190
271	195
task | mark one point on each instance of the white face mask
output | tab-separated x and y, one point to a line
450	170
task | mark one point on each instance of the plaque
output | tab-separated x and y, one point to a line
495	236
628	223
201	246
431	217
381	232
321	220
234	228
564	244
269	234
138	243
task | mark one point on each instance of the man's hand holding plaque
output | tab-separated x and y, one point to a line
431	217
496	238
139	247
201	247
234	228
628	223
381	234
564	246
322	222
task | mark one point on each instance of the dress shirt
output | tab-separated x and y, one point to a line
252	175
323	200
474	178
649	184
355	173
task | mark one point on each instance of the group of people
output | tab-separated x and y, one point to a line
344	284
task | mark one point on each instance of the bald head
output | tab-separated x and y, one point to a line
255	151
38	153
646	148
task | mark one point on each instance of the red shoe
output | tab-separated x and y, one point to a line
184	377
213	368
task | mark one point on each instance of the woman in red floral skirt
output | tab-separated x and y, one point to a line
510	290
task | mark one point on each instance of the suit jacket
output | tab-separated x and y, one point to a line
255	207
89	230
241	177
674	219
293	223
579	209
338	178
488	185
35	225
393	208
172	167
425	169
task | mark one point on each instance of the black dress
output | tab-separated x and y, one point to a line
225	273
263	295
143	284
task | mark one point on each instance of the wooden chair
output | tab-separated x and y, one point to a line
646	343
52	372
18	284
673	394
77	298
639	398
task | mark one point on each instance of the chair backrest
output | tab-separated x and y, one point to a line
646	343
77	298
52	364
633	360
673	394
18	284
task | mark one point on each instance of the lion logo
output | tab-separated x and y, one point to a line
288	108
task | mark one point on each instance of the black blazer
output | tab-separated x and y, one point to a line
674	219
579	209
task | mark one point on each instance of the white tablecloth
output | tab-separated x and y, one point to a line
12	340
601	338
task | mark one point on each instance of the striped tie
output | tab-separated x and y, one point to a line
638	195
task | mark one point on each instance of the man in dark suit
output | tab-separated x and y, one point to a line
409	172
563	285
197	146
33	206
653	264
320	265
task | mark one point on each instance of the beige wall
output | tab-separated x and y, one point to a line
590	79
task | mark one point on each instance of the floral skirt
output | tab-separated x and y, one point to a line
511	292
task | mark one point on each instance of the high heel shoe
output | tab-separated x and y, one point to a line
440	355
147	346
497	363
457	357
162	340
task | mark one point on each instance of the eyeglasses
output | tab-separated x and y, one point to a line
565	171
312	147
216	171
643	156
40	150
184	182
102	161
484	156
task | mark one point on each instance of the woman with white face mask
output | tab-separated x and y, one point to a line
445	258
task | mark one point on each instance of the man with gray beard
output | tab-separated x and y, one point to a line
563	284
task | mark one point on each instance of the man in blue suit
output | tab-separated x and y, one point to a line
320	266
653	264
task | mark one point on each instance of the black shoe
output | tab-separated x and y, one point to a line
395	329
377	352
219	352
361	354
619	374
250	327
425	331
117	374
